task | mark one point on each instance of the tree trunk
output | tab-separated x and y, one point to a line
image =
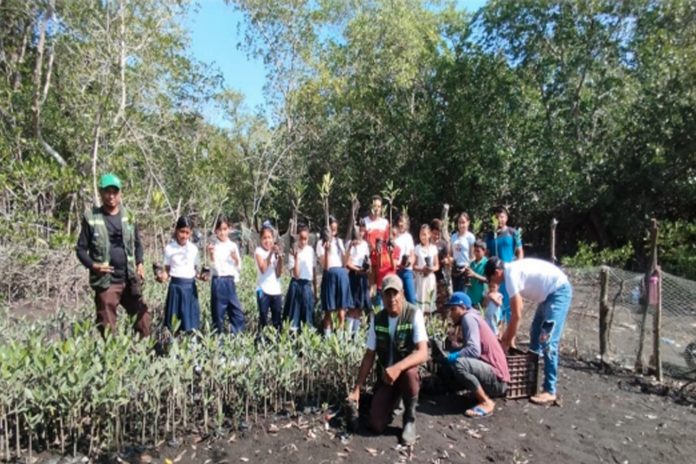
95	153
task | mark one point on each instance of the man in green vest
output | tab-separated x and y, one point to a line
109	246
398	339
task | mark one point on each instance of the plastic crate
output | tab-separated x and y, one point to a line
524	374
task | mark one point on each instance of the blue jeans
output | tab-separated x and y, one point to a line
409	285
506	312
546	331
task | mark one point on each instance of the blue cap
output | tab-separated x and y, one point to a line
459	299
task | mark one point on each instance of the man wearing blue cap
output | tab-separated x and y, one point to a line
109	246
480	364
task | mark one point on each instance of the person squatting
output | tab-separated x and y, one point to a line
379	275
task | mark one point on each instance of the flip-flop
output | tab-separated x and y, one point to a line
545	402
477	412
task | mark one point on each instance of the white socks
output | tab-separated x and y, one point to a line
353	325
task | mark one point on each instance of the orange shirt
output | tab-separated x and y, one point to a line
385	267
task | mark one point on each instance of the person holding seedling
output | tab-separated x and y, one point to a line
546	285
404	241
475	273
384	258
377	230
358	264
462	247
478	363
227	264
444	260
335	285
109	246
427	263
397	339
302	291
269	267
181	262
376	227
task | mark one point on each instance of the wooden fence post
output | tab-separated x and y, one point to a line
639	366
603	311
657	322
554	223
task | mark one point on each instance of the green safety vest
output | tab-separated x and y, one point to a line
99	245
401	345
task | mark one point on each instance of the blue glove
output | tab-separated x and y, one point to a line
452	357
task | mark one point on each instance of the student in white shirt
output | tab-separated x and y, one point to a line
302	291
224	255
462	246
404	241
546	285
427	264
180	264
269	268
358	264
335	286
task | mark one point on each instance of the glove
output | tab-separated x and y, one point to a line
452	357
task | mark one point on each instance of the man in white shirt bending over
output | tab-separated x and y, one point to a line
546	285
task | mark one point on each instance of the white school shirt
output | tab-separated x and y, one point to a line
378	224
461	247
423	251
336	252
359	253
182	260
306	258
267	281
419	332
406	246
533	279
223	264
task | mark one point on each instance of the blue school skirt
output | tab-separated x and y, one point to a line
182	302
360	290
299	303
335	290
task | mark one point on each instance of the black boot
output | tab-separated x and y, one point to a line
408	436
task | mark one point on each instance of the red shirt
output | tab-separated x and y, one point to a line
386	265
376	229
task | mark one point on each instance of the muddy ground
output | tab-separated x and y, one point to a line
601	418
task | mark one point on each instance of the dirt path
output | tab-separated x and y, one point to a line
601	419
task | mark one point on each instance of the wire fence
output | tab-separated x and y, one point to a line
625	293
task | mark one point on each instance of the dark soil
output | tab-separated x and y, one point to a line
601	418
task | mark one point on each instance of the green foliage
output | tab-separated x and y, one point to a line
590	254
578	110
677	248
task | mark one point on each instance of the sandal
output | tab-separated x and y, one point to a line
477	412
544	399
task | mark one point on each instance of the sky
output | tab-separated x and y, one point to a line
215	30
